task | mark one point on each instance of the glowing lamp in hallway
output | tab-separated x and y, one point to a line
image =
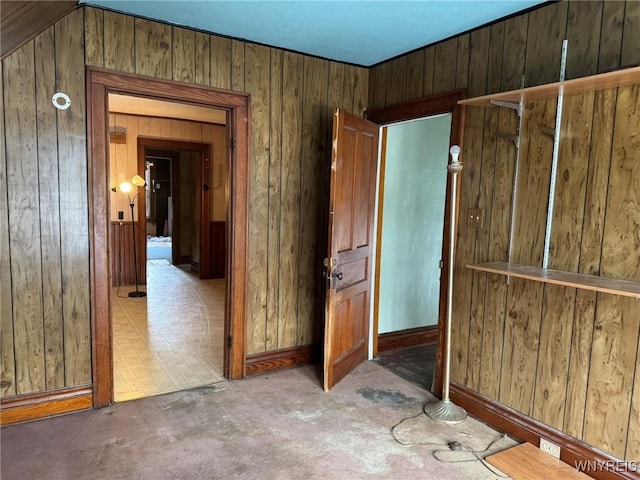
127	187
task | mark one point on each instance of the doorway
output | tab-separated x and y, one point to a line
100	84
442	114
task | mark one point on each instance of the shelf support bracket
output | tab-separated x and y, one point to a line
513	106
554	163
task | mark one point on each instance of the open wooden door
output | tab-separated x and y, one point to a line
348	264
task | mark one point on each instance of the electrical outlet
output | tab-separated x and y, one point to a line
550	448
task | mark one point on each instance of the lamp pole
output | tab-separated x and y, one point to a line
126	187
137	293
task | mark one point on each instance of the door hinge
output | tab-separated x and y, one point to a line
229	341
232	143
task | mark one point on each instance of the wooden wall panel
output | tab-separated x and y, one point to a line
563	356
220	68
274	194
258	84
7	359
630	53
94	37
153	49
315	158
547	27
184	53
484	202
119	42
470	190
292	84
74	228
24	221
49	210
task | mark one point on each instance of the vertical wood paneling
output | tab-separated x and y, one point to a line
584	20
7	359
184	53
462	62
74	228
49	210
119	42
469	192
274	195
547	28
611	36
203	58
24	219
445	58
484	201
614	351
630	54
237	65
360	89
415	72
292	86
220	75
429	67
547	350
314	160
94	37
257	83
395	78
499	220
153	49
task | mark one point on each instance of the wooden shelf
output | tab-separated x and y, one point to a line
625	288
618	78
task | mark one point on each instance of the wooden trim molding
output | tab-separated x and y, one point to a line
101	82
275	360
410	337
598	464
46	404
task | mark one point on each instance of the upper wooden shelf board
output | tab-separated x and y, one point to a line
618	78
626	288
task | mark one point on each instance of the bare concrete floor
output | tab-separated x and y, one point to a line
278	426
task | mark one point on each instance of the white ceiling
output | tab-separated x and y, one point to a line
159	108
362	32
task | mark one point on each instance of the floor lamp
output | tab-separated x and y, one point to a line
126	187
445	410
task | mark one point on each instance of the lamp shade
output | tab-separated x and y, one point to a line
125	187
138	181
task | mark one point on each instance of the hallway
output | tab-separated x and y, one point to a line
170	340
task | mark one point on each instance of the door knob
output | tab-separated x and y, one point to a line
337	275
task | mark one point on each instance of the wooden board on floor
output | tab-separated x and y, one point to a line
527	462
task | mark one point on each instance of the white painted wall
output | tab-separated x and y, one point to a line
412	222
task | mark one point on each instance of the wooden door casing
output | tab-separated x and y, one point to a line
349	267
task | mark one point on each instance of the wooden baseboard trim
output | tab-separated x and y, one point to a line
410	337
27	407
260	363
594	462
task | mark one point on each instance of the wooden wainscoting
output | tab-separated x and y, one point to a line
217	239
410	337
47	404
522	427
284	358
122	270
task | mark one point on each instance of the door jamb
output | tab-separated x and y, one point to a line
425	107
101	82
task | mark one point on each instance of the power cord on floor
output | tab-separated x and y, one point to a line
452	446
